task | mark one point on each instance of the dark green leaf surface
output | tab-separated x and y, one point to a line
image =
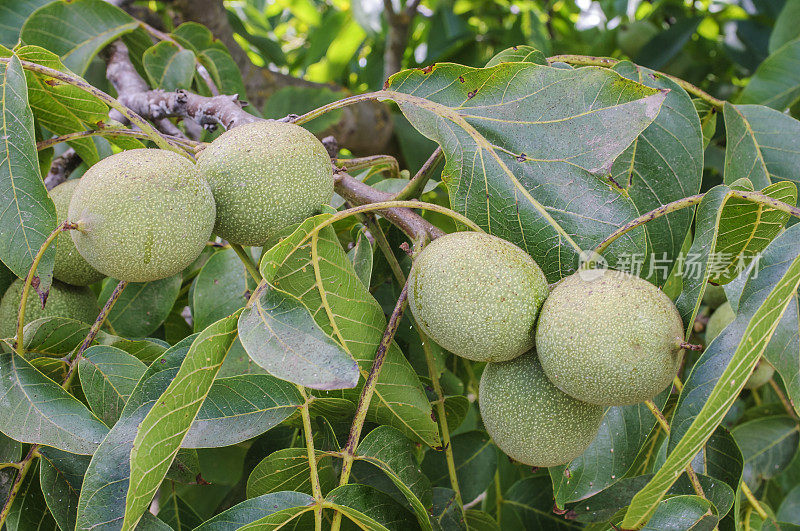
552	198
287	469
776	82
61	475
142	307
240	408
389	450
761	145
163	429
528	504
27	215
102	500
768	445
447	513
29	511
610	455
370	509
13	15
313	266
220	289
168	66
77	30
108	376
280	334
786	28
361	257
683	512
475	459
35	409
254	509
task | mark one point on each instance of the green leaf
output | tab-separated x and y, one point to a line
745	229
762	305
279	519
168	66
142	307
667	44
241	407
175	512
475	459
786	28
29	510
389	450
58	336
224	71
279	333
528	504
761	145
361	257
776	82
163	429
663	164
537	138
77	30
220	289
369	508
108	377
254	509
480	520
298	100
36	410
28	216
683	512
518	54
287	470
768	445
61	475
13	15
789	510
447	513
610	455
312	265
102	500
10	452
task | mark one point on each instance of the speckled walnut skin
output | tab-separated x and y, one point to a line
530	419
609	338
142	214
477	295
265	176
70	266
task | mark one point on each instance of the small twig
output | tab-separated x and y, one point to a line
374	161
753	501
787	405
758	197
416	185
649	216
26	287
588	60
349	451
690	346
662	421
312	459
24	466
93	331
248	262
44	144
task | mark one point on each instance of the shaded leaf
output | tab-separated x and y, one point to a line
239	408
280	334
475	460
108	376
786	28
447	513
768	445
369	508
683	512
13	15
35	409
163	429
776	82
528	504
142	307
28	215
168	66
220	289
255	509
29	510
361	257
287	470
61	475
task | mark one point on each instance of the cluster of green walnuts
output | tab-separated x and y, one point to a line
147	214
556	359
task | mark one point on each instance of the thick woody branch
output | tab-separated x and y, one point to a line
397	35
157	105
61	167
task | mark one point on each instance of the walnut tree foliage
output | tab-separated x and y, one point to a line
285	387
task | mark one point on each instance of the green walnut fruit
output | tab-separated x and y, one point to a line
477	295
721	318
632	37
714	296
609	338
75	302
142	215
718	321
529	418
70	266
265	176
